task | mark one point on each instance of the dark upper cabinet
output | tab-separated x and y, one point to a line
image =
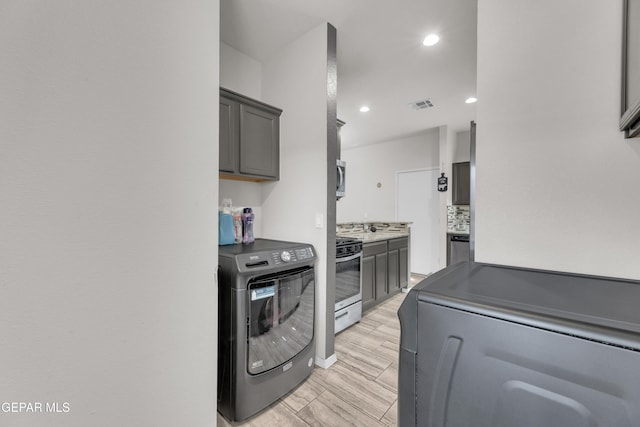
249	138
229	128
461	184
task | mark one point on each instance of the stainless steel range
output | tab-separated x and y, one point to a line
348	283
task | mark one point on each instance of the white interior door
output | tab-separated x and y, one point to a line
418	201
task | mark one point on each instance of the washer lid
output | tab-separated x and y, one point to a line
600	308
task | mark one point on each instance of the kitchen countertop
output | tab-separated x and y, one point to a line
374	222
374	236
385	230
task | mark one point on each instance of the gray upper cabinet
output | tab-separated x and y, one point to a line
461	184
229	128
249	138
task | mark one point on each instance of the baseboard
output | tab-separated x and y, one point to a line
326	363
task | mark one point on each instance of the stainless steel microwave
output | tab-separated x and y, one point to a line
340	178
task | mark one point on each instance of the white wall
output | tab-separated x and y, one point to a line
369	165
239	72
108	188
243	74
295	79
557	184
448	142
462	152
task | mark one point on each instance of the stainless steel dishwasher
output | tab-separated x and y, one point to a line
458	248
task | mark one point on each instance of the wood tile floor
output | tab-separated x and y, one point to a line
360	389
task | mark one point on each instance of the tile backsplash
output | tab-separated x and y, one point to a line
458	219
344	228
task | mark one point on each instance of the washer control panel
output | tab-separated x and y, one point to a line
292	255
285	256
264	260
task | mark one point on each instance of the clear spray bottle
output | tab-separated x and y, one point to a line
247	226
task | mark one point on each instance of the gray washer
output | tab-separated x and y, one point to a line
266	309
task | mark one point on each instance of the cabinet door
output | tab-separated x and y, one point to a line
403	261
229	126
393	272
382	289
368	282
259	145
461	183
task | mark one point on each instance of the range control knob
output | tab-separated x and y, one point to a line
285	256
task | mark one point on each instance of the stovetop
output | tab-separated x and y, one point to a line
346	246
340	241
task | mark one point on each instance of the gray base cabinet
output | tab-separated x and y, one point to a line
374	275
368	282
249	138
398	263
385	270
393	269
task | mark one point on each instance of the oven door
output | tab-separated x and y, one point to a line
281	313
348	280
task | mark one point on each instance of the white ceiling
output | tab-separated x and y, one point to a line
381	59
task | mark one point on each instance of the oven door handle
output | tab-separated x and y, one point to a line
349	258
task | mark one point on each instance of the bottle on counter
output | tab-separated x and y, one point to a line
225	224
247	226
237	225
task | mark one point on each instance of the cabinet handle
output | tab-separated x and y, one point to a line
342	315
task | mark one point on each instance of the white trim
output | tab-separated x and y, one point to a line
326	363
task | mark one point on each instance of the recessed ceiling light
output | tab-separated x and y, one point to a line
364	109
430	40
471	100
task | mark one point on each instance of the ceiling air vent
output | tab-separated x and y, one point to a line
422	104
